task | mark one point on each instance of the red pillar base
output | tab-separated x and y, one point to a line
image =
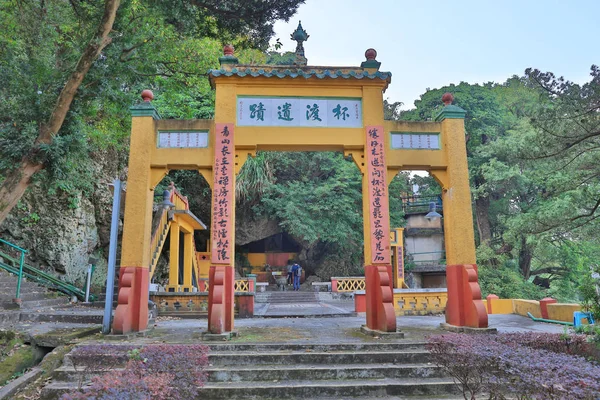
380	298
220	299
132	302
464	307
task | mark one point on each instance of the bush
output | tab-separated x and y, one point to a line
516	365
154	372
590	290
507	283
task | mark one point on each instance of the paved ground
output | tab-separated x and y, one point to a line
327	322
320	309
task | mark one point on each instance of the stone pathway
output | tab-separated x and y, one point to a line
316	309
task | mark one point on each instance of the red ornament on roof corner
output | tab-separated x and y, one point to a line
447	98
228	50
147	95
370	54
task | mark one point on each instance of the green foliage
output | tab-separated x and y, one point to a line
275	58
590	291
161	45
316	197
507	283
254	179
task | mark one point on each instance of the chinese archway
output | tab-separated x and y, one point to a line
299	108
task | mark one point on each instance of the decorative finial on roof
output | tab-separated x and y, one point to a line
147	96
370	54
228	50
447	98
371	62
228	58
450	111
300	36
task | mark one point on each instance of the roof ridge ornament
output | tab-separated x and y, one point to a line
371	63
300	36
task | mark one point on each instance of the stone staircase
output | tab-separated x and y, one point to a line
33	296
286	297
308	371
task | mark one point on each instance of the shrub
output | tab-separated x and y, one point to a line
590	290
501	366
507	283
154	372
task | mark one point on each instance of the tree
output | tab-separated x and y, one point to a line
60	57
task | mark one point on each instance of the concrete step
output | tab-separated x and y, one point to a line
61	316
281	373
331	348
13	285
349	357
27	295
50	302
338	388
374	390
277	355
36	304
312	372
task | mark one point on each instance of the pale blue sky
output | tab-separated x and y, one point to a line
429	44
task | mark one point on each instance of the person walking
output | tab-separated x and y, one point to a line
290	274
297	272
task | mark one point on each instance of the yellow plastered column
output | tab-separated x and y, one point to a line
174	258
138	206
188	239
456	197
398	252
132	304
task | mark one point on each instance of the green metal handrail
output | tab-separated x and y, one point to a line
21	262
441	260
37	276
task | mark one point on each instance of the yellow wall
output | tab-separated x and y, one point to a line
257	259
420	303
522	307
502	306
562	312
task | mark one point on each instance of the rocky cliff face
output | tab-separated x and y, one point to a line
61	231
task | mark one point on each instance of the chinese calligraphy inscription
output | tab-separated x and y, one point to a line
299	111
222	207
378	197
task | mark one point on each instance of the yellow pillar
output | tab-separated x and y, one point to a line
173	285
398	257
464	306
132	308
188	239
456	192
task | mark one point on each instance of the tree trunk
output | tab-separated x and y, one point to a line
18	180
482	206
14	186
525	256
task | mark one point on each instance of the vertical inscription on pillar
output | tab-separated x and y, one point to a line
378	196
222	207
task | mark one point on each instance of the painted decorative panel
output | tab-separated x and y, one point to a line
185	139
299	112
429	141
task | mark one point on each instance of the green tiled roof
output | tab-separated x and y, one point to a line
301	73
